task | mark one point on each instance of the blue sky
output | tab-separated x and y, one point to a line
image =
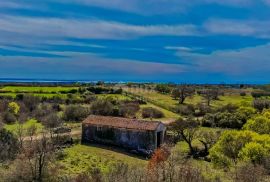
198	41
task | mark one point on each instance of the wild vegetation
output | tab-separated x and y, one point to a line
214	132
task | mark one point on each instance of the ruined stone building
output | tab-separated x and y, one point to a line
132	134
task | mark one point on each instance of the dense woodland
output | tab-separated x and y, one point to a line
214	132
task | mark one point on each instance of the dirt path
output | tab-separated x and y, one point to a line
39	136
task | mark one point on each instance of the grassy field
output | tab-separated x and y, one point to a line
30	89
168	115
82	158
14	127
167	102
118	97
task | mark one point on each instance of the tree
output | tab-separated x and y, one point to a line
52	121
14	108
9	145
208	139
33	163
209	95
235	145
182	92
186	130
31	131
31	102
163	88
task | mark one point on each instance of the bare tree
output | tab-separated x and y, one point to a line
52	121
38	155
31	131
209	95
182	92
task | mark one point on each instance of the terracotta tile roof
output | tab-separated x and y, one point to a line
121	122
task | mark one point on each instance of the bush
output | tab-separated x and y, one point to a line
223	120
42	111
129	109
227	108
9	118
185	109
243	94
102	107
163	88
260	124
31	102
261	104
258	94
250	173
150	112
234	145
202	109
75	113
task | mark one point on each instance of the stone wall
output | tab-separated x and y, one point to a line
132	140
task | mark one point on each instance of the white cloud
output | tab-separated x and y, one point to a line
157	6
13	5
56	27
254	28
177	48
243	62
83	65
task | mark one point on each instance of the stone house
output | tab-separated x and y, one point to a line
135	135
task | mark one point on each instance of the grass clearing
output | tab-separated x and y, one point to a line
41	89
81	158
167	102
119	97
168	115
14	127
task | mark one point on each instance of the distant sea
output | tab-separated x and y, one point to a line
12	80
23	80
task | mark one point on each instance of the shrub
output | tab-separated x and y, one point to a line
31	102
261	104
202	109
257	94
8	145
42	111
102	107
9	118
250	173
223	120
163	88
260	124
243	94
185	109
129	109
14	108
150	112
234	145
227	108
75	113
